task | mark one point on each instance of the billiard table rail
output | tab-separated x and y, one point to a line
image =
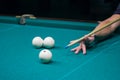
82	25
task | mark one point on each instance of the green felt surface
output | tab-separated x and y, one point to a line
19	59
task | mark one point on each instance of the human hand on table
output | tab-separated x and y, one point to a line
83	44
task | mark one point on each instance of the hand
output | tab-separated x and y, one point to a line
83	44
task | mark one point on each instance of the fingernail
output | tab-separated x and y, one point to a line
84	53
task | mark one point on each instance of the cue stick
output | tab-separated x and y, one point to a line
91	33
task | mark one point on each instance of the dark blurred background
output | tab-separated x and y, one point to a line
66	9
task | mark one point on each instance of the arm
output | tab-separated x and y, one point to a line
109	30
100	35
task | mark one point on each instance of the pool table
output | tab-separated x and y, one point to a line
19	59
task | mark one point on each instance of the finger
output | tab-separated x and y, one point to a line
84	48
73	49
78	50
90	39
86	36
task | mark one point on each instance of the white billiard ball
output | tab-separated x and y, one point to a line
48	42
45	56
37	42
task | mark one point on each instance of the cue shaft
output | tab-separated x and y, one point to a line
93	32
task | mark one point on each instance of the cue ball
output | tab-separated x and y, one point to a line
45	56
37	42
48	42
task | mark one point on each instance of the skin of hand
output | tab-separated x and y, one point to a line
101	35
82	45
